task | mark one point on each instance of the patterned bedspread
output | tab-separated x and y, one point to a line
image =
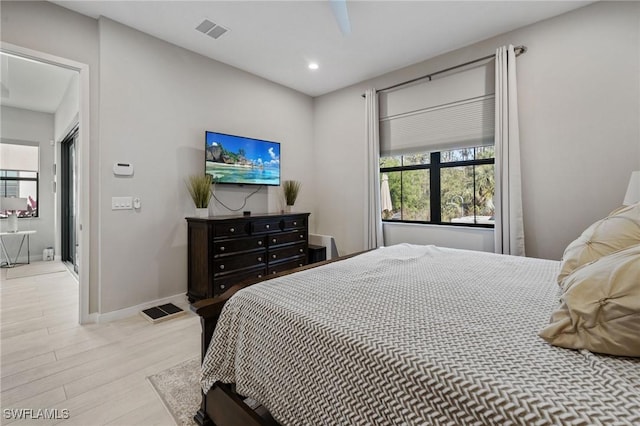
416	335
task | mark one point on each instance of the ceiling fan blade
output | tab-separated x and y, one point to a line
339	9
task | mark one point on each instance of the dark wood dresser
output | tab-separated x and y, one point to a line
224	250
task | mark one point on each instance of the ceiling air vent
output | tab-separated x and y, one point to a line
211	29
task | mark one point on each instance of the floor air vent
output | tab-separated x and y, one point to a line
162	313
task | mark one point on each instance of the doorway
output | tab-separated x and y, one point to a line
79	221
69	200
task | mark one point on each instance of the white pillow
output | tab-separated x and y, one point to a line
615	232
600	307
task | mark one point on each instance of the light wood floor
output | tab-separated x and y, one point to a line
96	372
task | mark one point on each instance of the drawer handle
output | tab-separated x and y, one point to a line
295	223
259	275
274	272
267	226
222	248
300	264
222	287
221	266
301	250
273	256
301	236
274	241
232	230
260	259
260	242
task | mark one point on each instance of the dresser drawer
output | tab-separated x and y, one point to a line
263	226
221	247
223	282
287	237
225	250
278	254
294	223
228	264
285	266
233	229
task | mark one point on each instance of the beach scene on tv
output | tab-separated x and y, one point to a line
234	159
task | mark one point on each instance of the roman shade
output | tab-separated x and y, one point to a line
451	111
18	157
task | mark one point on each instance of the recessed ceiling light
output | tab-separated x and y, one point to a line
313	66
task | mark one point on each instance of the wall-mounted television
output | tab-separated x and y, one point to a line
241	160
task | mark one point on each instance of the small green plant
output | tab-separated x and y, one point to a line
291	189
199	187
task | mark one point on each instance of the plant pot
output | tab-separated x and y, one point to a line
288	208
202	212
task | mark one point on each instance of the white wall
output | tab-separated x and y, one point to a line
579	97
30	126
480	239
66	116
156	102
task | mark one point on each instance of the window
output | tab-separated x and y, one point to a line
446	187
436	149
19	176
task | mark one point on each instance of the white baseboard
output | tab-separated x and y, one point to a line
90	319
179	300
24	258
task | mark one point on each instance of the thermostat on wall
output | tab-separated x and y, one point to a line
122	169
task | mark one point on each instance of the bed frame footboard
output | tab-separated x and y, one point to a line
222	406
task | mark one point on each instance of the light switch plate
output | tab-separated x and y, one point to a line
121	203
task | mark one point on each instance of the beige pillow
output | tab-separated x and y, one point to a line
600	307
615	232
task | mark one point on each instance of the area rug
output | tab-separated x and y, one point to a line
36	268
179	390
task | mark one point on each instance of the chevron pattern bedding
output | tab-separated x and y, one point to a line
415	335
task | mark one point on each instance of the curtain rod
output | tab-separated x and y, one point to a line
518	49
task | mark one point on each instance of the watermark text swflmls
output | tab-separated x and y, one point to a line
35	413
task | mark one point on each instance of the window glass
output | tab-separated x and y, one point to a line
485	190
390	193
464	154
391	161
466	187
20	183
416	195
467	194
21	189
483	152
456	194
413	159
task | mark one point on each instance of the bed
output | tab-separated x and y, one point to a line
406	335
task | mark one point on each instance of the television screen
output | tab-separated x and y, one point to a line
240	160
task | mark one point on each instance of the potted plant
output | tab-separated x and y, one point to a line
291	189
199	187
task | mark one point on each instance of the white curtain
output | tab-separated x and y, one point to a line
373	213
509	228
